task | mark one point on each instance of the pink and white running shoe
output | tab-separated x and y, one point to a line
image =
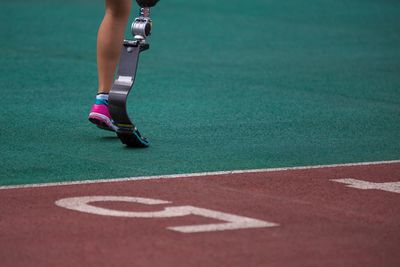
100	116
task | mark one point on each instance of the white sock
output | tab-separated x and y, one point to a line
102	96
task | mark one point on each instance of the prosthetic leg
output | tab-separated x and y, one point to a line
141	29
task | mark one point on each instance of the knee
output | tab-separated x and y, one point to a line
118	9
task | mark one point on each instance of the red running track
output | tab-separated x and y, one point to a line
321	222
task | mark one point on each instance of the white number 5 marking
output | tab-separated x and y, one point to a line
232	222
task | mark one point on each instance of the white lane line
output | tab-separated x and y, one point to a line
393	187
199	174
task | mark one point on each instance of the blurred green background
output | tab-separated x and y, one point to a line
226	85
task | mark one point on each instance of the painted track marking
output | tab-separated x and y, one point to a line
200	174
232	222
393	187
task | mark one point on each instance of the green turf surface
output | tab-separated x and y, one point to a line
226	85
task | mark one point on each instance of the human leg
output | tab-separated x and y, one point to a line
109	43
